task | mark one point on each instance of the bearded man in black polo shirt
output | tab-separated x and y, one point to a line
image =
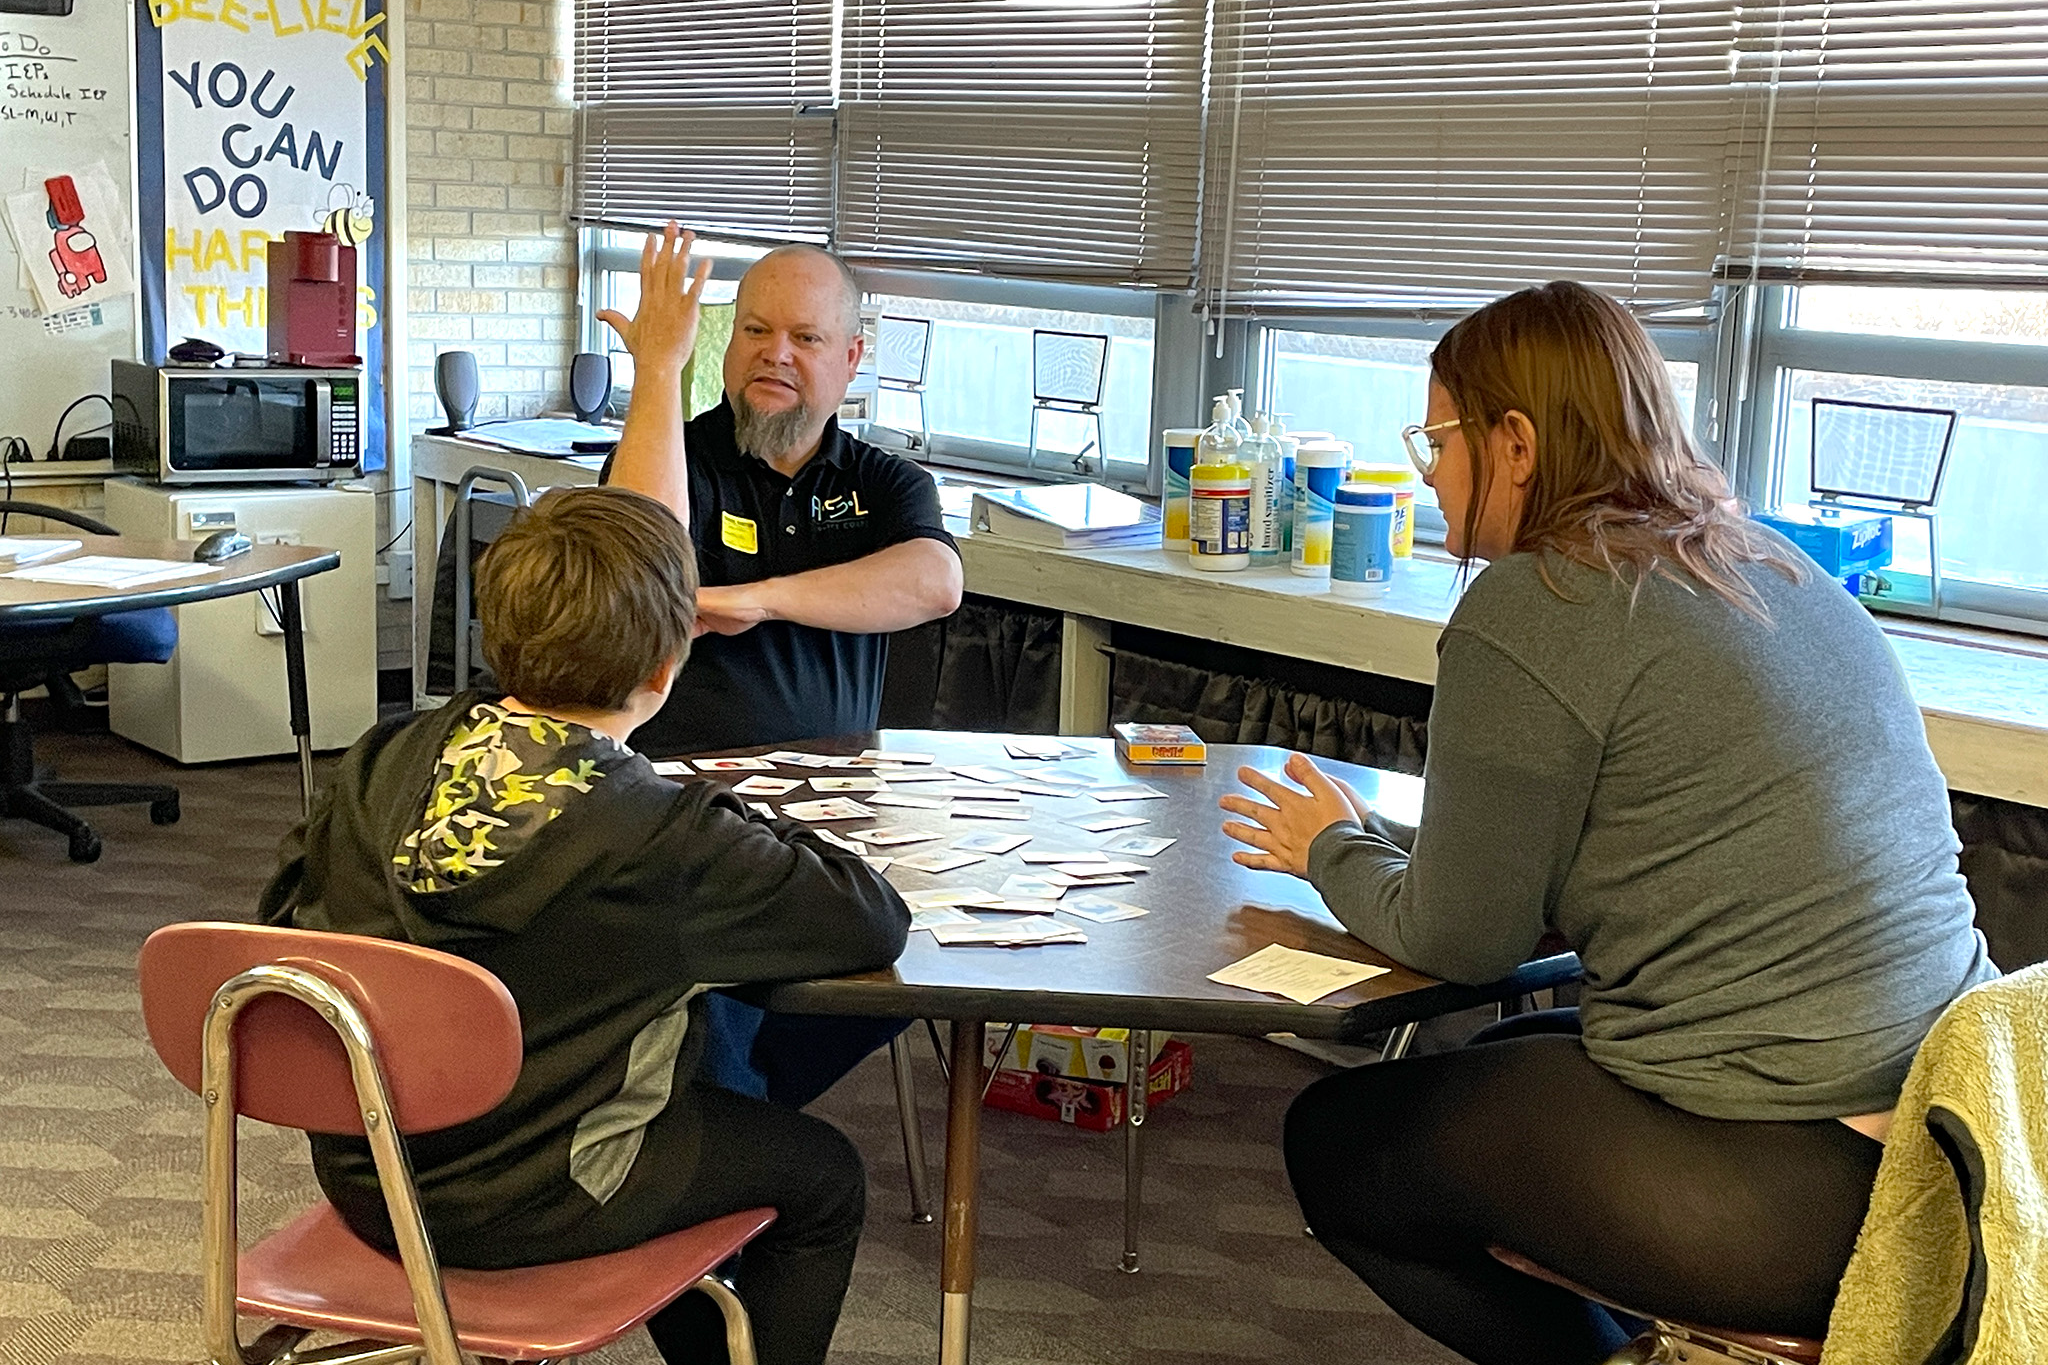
812	545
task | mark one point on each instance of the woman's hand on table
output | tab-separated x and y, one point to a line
1281	832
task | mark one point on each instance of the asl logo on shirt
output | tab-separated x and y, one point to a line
843	510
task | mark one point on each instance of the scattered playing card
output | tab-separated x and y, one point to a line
975	810
1138	845
993	776
766	786
907	801
991	842
734	765
1135	791
886	756
762	809
837	808
885	835
1097	868
937	915
1065	855
877	861
1102	824
1023	888
1034	789
1099	909
978	793
672	767
941	896
940	860
846	784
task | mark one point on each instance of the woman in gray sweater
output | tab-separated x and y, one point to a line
1663	732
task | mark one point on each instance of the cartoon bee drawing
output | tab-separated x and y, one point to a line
351	215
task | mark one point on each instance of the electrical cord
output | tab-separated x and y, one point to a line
57	435
12	448
395	539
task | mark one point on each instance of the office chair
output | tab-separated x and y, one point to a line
40	652
341	1033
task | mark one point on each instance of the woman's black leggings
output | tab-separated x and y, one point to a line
1409	1171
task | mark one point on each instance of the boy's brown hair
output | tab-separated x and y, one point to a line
585	595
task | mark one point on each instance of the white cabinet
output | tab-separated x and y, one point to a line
223	693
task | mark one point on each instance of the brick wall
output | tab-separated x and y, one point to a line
492	260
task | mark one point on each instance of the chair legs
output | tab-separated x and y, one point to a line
739	1330
44	803
913	1131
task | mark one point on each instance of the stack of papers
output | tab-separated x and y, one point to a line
1070	516
16	551
110	571
1302	977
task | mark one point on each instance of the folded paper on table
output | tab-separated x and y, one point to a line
1302	977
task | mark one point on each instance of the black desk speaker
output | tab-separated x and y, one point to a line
590	385
455	380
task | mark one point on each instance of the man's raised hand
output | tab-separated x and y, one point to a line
663	331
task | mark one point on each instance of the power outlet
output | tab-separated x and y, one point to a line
399	564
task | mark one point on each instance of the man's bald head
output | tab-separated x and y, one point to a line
828	270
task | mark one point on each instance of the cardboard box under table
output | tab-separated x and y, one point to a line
1053	1093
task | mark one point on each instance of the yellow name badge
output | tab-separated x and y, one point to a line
738	533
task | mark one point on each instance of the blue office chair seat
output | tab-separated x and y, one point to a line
47	652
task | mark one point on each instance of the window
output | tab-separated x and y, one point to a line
1980	353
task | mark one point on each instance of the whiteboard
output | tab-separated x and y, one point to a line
66	101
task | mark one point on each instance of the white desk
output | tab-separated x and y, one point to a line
1985	701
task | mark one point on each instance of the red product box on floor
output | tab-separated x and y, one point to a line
1097	1106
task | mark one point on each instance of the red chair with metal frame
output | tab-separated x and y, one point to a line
338	1033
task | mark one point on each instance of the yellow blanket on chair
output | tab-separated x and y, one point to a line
1986	1064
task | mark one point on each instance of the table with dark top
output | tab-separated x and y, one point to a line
262	566
1206	912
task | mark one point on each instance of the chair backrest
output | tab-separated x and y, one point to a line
446	1031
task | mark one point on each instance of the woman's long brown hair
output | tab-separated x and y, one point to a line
1618	483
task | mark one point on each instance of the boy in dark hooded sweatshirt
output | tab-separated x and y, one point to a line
521	833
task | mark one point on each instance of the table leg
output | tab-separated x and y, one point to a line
293	622
1134	1154
963	1163
1084	675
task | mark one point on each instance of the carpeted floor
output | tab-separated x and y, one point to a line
99	1150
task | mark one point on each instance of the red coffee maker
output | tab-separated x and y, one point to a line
312	303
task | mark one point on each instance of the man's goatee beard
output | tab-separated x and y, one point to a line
762	434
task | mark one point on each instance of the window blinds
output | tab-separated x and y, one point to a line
1902	140
1450	150
697	110
1045	138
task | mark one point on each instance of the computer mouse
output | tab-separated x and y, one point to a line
222	545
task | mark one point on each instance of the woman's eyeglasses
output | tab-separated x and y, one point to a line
1424	450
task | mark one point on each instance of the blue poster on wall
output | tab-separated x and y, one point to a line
255	118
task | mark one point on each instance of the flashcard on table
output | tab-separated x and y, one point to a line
992	776
885	835
1061	777
975	810
1135	791
907	801
888	756
837	808
877	861
889	774
992	842
1015	934
975	793
1099	909
734	765
1103	824
762	809
942	896
1097	868
766	786
1138	845
849	762
1042	749
941	860
1064	855
1023	888
937	915
1113	879
1020	907
1302	977
672	767
793	756
1034	789
846	784
851	846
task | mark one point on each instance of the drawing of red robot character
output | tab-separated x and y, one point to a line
75	255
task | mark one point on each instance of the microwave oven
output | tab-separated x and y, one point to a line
185	424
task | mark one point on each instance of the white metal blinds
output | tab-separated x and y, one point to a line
1907	139
1447	149
1023	137
697	110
